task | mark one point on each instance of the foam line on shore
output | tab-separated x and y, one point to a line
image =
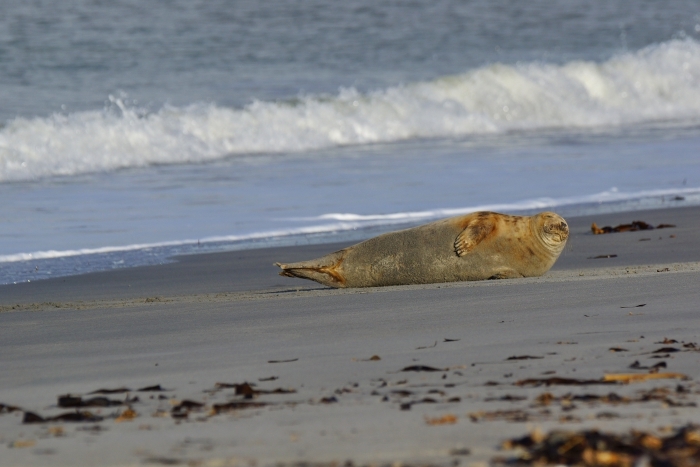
349	222
609	196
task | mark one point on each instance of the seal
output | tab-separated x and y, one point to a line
477	246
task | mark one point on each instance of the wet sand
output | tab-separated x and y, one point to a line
324	366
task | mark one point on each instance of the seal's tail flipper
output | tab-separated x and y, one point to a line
323	270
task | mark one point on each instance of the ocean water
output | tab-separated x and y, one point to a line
134	131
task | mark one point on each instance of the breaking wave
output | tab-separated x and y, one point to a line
660	83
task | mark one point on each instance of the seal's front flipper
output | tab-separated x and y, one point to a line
323	270
469	238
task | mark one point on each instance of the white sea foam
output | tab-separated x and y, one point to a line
658	83
343	222
605	197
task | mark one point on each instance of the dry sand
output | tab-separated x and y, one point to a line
337	357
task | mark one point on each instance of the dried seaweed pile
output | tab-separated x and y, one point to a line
543	391
178	409
594	448
633	227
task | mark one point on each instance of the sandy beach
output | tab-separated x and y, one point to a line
216	360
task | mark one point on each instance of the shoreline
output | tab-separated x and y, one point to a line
253	270
334	229
308	352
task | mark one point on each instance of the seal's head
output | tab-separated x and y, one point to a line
551	229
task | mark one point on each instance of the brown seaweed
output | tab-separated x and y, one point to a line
69	401
249	390
447	419
511	415
236	405
31	417
183	409
154	388
666	350
427	346
373	358
4	408
110	391
558	381
507	398
422	368
633	227
164	461
659	394
127	415
638	366
637	378
593	447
